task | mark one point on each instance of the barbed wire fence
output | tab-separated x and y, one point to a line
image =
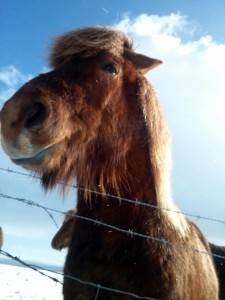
129	232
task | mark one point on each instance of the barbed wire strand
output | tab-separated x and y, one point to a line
31	203
100	223
97	286
121	198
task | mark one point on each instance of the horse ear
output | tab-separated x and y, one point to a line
144	63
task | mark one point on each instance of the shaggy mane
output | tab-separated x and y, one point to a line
160	156
86	42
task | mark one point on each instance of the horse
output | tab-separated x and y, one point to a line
95	119
63	236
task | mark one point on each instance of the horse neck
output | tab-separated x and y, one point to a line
129	177
125	178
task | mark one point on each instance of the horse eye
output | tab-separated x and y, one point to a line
110	69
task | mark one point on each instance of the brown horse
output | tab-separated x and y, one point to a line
95	119
63	236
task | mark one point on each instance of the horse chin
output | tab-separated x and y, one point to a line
37	161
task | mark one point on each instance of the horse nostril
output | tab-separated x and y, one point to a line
36	115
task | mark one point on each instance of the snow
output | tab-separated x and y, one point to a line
21	283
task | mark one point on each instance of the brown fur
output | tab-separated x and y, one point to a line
63	237
106	130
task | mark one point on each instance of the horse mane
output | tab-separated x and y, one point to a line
86	42
159	152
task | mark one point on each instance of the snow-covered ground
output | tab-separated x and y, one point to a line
21	283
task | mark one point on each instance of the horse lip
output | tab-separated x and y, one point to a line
34	160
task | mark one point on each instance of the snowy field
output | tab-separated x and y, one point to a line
20	283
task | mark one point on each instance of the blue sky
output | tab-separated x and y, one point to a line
189	37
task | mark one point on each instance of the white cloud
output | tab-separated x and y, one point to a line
154	25
10	80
